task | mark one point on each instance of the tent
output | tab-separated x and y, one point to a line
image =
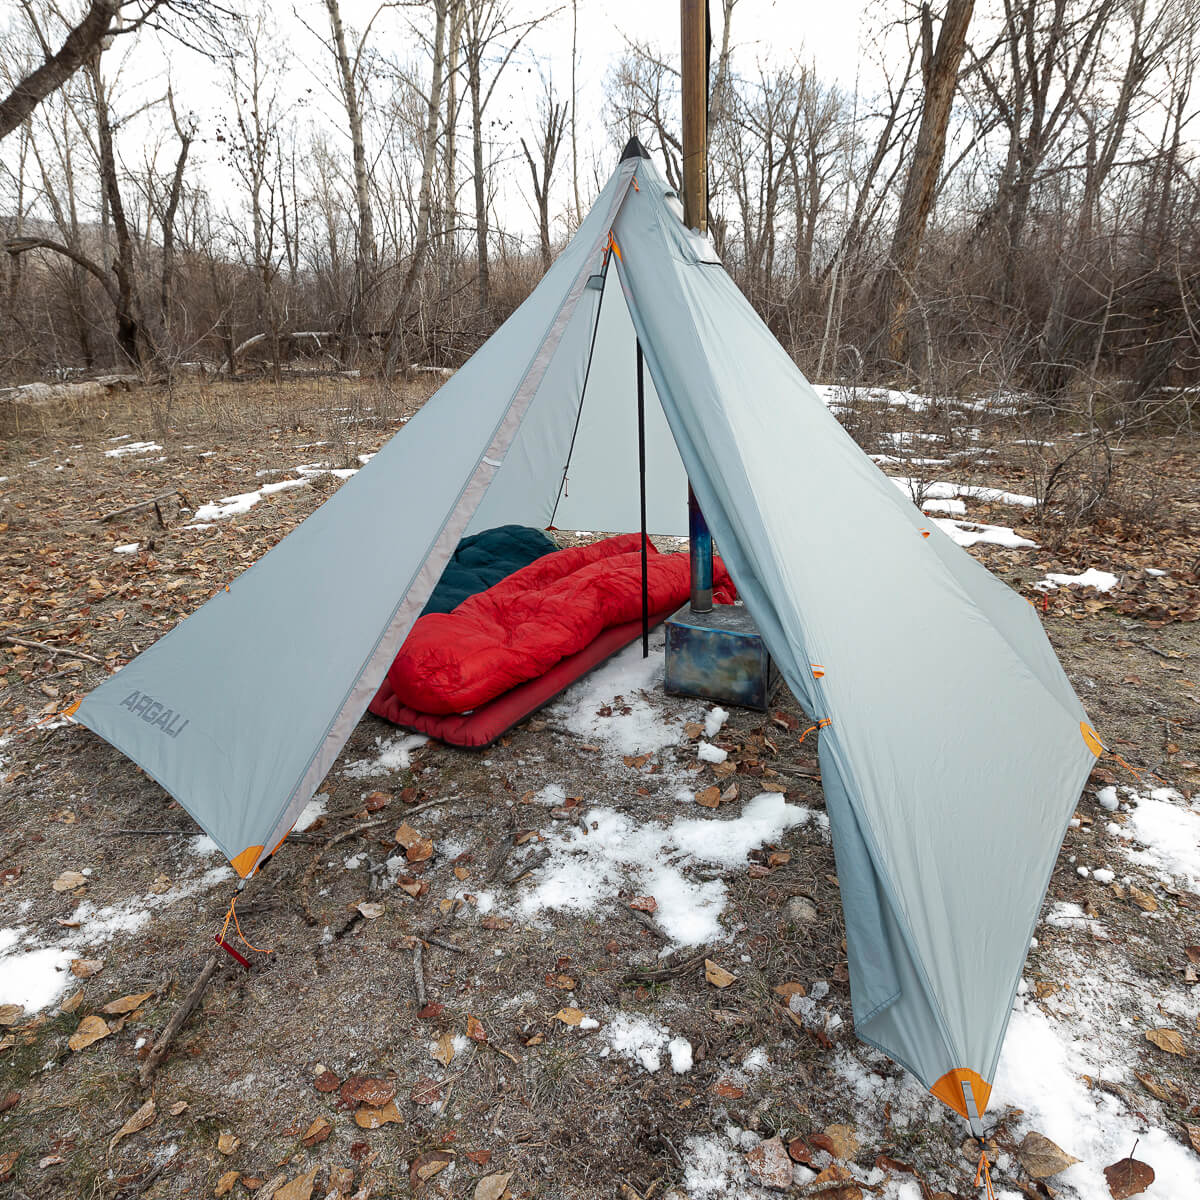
955	748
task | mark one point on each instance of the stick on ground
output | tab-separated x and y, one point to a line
175	1024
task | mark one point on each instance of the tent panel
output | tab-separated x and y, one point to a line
954	732
238	708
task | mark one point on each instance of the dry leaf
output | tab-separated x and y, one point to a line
843	1141
443	1049
836	1173
710	797
10	1014
318	1131
1144	900
568	1016
1193	1132
139	1120
563	982
180	1106
1168	1040
377	800
226	1182
426	1166
770	1165
89	1030
461	873
644	904
300	1188
1151	1085
227	1143
72	1002
375	1118
362	1089
1129	1177
85	968
126	1004
68	881
1041	1158
7	1162
718	976
492	1187
327	1081
728	1090
475	1029
370	909
788	990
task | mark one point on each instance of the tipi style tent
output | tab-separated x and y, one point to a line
955	748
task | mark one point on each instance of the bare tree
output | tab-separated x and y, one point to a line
551	130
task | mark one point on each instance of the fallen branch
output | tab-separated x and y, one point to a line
660	974
185	1010
530	864
16	641
140	504
419	971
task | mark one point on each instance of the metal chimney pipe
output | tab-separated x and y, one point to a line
694	42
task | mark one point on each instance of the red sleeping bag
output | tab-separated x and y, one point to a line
539	615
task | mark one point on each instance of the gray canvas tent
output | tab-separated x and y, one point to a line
955	748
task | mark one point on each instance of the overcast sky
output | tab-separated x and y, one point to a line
764	31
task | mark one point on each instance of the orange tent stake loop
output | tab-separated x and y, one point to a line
231	915
819	725
983	1172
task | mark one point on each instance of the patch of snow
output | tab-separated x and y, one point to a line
132	448
962	491
714	720
32	976
587	870
312	810
1149	570
394	755
635	1037
707	752
1102	581
953	508
680	1050
233	506
621	684
1106	797
969	533
1168	831
129	548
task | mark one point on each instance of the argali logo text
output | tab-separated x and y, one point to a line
154	713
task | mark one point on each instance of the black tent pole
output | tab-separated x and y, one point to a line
641	393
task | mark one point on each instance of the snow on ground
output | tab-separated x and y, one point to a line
587	870
34	972
838	396
128	548
131	448
312	810
393	754
941	490
608	706
1162	835
968	533
1102	581
233	506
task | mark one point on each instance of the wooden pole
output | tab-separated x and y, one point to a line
693	43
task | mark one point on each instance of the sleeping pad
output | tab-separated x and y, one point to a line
519	628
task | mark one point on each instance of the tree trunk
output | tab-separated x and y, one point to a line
395	344
364	234
80	45
941	81
130	332
481	215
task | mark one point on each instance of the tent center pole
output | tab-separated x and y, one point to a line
641	402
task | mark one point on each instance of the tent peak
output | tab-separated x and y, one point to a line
634	149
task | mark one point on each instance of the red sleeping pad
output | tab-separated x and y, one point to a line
468	675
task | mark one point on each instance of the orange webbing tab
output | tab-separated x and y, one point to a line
635	186
817	670
612	245
819	725
64	712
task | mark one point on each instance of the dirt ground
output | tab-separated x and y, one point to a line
487	1079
